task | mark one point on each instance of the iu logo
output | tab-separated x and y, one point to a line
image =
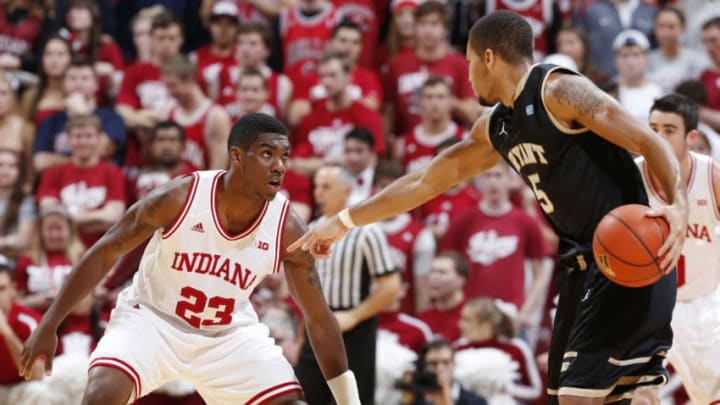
261	245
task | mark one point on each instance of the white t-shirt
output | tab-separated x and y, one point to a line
638	100
668	73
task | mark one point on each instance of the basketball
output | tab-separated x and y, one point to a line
625	245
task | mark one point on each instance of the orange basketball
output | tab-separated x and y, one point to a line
625	245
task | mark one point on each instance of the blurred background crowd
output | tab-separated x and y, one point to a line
102	101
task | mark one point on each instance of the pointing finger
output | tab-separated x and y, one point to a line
300	242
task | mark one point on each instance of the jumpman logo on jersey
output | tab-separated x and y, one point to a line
503	131
198	228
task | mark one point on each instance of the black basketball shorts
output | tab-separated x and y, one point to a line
608	340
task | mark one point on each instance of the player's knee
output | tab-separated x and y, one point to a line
99	396
107	386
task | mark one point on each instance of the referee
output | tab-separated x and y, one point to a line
358	281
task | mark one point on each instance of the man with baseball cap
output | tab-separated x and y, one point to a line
635	92
211	58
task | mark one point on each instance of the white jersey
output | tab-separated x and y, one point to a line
196	275
698	269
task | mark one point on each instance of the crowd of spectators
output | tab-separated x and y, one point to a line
101	101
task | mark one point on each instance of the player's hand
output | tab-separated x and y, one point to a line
42	343
319	239
676	216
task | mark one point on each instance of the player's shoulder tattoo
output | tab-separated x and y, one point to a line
576	92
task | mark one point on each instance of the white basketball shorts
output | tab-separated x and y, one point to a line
695	352
243	366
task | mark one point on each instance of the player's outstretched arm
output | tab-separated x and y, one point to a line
157	210
574	99
457	163
322	328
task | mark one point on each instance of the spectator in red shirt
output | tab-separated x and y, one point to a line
497	238
143	97
412	245
84	31
710	78
319	137
40	274
364	14
16	324
446	285
220	52
93	191
412	332
20	29
207	125
253	49
418	146
365	86
252	93
432	57
484	325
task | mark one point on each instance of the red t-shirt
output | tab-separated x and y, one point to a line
297	188
526	388
142	87
22	321
48	275
18	38
196	150
322	133
209	66
439	210
401	233
538	13
411	332
496	248
304	38
711	80
362	12
83	189
363	83
406	75
419	148
444	323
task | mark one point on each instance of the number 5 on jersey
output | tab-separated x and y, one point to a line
196	305
547	206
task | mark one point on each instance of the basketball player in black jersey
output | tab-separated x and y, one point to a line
568	141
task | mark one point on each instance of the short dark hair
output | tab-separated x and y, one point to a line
694	90
388	169
253	72
363	135
82	62
162	125
165	19
329	56
713	22
680	105
506	33
346	24
247	129
434	81
436	344
462	268
673	10
433	7
256	28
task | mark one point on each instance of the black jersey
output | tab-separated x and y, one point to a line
577	178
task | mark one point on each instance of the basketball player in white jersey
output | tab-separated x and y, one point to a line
213	235
695	353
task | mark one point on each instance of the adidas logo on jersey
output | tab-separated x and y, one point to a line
198	228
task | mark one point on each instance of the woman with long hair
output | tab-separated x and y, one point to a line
17	208
39	275
401	34
16	133
48	98
84	31
488	323
573	42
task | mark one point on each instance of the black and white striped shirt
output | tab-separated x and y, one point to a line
356	259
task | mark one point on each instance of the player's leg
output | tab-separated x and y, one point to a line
108	386
311	378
